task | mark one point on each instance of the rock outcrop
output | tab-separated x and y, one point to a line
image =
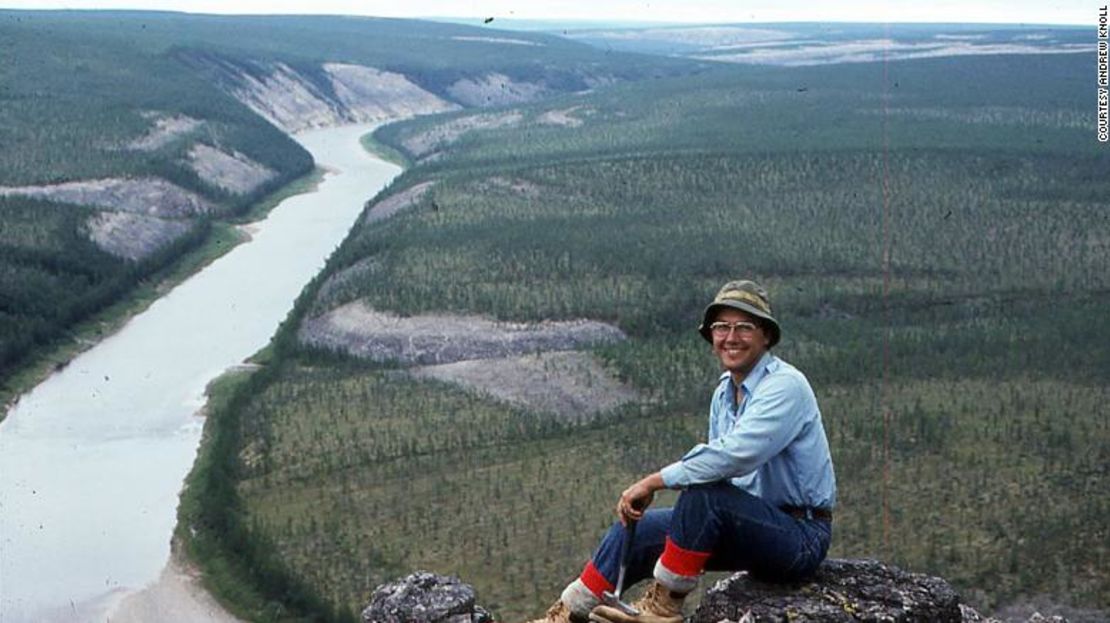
424	597
136	217
231	171
496	89
430	339
134	236
165	129
842	591
151	196
423	143
575	387
296	99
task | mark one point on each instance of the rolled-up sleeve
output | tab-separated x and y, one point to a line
773	417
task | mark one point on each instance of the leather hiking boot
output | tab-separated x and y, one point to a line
559	612
658	605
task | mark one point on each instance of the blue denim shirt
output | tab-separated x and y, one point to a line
771	445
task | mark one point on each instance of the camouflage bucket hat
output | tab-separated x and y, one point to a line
748	297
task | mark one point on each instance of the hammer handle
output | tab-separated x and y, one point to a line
626	551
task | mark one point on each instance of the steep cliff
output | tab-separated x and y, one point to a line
316	95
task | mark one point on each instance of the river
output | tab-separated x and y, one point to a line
92	460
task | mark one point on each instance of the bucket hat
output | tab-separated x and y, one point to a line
748	297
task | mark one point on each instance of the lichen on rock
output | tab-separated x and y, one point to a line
841	590
423	597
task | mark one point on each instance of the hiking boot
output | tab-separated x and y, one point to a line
559	612
658	605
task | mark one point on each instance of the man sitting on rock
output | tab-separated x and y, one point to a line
757	497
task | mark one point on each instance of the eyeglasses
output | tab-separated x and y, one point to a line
743	329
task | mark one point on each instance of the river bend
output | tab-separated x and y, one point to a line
92	460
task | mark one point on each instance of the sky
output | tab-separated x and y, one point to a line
1078	12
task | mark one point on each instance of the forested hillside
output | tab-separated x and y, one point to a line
74	106
127	135
933	234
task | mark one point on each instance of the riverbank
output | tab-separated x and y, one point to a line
238	573
223	237
178	595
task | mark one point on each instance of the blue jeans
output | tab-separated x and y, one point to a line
738	530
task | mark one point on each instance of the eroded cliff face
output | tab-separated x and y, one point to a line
229	170
496	89
137	217
330	94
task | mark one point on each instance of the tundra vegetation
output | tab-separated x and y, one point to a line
935	243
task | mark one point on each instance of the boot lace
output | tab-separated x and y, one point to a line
657	600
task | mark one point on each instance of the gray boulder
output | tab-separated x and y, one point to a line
424	597
842	590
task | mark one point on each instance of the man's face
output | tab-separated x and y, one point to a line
740	347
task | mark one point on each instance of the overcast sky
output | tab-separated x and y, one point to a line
1081	12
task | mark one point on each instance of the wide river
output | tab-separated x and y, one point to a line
92	460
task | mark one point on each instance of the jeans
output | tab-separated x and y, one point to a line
738	530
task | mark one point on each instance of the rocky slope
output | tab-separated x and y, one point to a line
498	359
432	339
326	95
137	217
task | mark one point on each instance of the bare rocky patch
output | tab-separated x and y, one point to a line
515	185
167	128
141	215
150	196
357	330
396	202
370	94
495	89
232	172
332	291
294	102
437	137
133	236
564	117
570	385
284	98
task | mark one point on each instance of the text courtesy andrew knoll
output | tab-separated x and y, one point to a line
1103	78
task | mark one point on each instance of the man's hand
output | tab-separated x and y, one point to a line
635	499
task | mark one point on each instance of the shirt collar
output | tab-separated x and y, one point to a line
759	370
